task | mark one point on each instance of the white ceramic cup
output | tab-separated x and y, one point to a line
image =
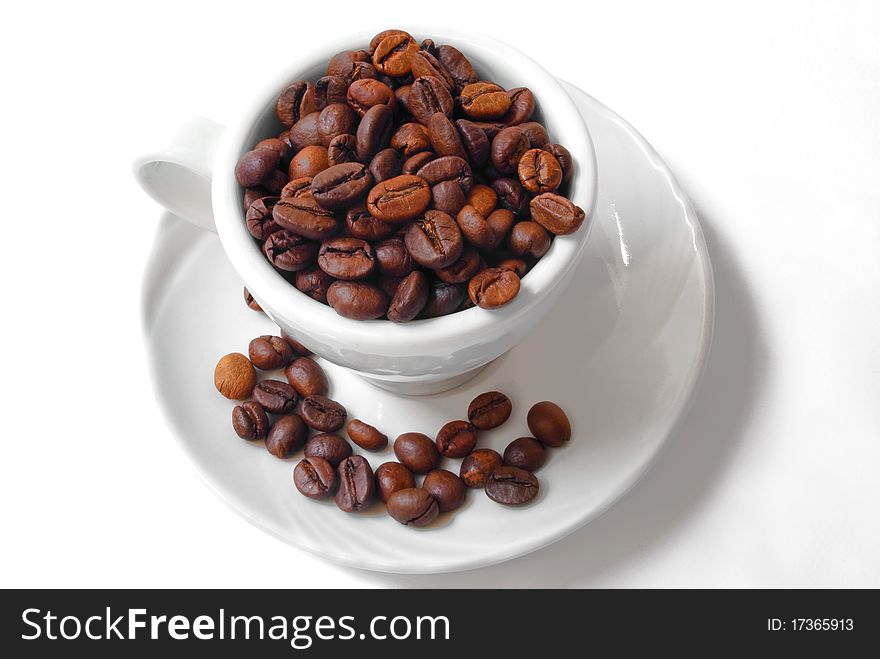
193	178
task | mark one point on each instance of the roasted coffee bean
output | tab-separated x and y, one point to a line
298	187
475	228
493	288
275	144
444	136
315	478
251	195
402	94
456	439
364	94
307	377
529	239
417	452
507	148
476	467
489	410
259	218
374	131
339	63
399	199
518	266
539	172
563	157
429	96
424	64
385	165
391	477
357	300
322	413
357	486
269	352
275	396
330	90
409	298
366	227
549	424
287	436
448	168
275	182
535	133
303	216
346	258
413	507
447	196
309	162
295	102
522	106
341	185
336	119
298	348
366	436
314	282
447	488
354	71
392	54
511	195
526	453
434	240
428	45
250	421
414	163
491	128
411	139
287	251
333	448
457	65
462	270
377	39
250	301
443	299
342	149
254	167
483	198
557	214
501	221
474	141
511	486
392	258
484	101
305	132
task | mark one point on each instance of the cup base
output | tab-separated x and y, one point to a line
422	386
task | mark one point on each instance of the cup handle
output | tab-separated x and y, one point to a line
179	177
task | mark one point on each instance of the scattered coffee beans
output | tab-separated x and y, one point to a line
393	476
234	376
315	478
417	452
322	413
250	420
287	436
333	448
489	410
511	486
476	467
366	436
275	396
413	507
456	439
304	375
549	424
356	484
447	488
526	453
269	352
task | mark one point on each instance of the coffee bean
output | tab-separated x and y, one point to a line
490	128
362	225
493	288
340	62
322	413
275	396
511	486
483	199
374	131
314	282
376	40
303	216
341	185
444	136
402	94
364	94
529	239
392	258
385	165
366	436
414	163
342	149
501	222
413	507
295	102
424	64
549	424
287	436
275	144
259	218
563	157
484	100
447	488
522	105
429	96
508	147
448	197
251	195
557	214
399	199
234	376
275	182
250	301
456	439
489	410
417	452
254	167
539	172
457	65
330	90
518	266
411	139
357	300
393	53
511	195
298	187
409	298
305	132
462	270
443	299
307	377
434	240
346	258
287	251
448	168
474	141
357	486
535	133
475	228
476	467
391	477
336	119
315	478
526	453
329	446
269	352
249	420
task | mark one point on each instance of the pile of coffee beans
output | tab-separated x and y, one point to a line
403	186
296	414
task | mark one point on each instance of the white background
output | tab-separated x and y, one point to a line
768	113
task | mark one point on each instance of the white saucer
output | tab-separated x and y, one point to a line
621	352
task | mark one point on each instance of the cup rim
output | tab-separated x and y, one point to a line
383	336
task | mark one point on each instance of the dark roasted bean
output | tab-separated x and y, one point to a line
476	467
447	488
529	239
322	413
417	452
287	251
357	486
511	486
391	477
409	298
250	421
269	352
307	377
413	507
366	436
549	424
526	453
493	288
329	446
287	436
315	478
457	439
489	410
